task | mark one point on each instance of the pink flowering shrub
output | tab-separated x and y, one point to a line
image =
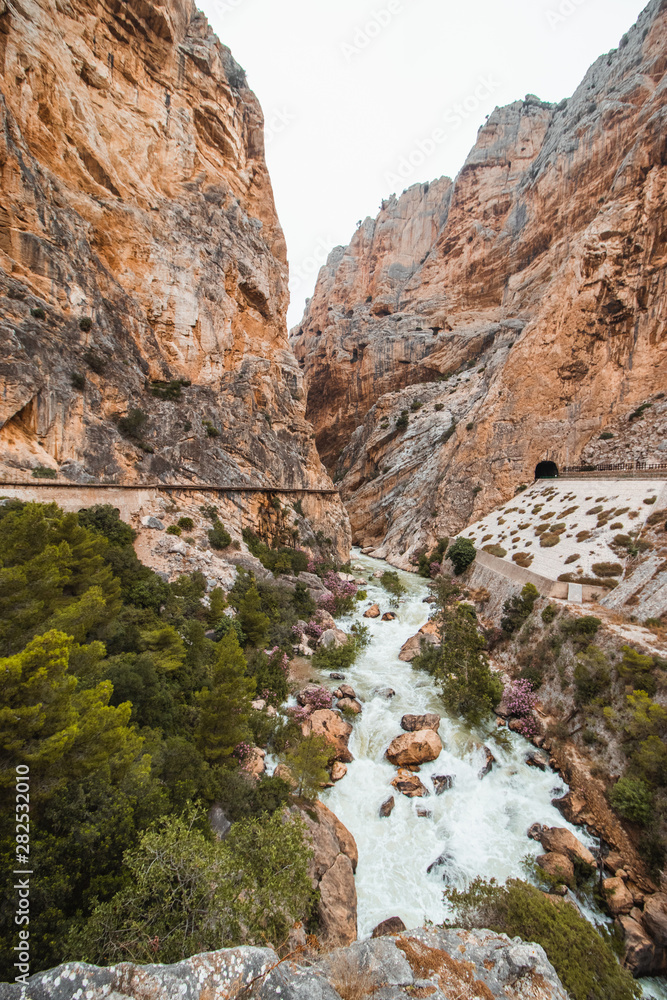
242	751
343	593
314	630
301	713
316	698
282	661
311	566
520	700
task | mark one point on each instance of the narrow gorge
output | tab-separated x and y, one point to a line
333	661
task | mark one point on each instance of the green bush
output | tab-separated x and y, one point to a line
606	436
186	523
38	313
96	363
210	428
174	529
415	405
439	407
402	421
391	582
133	425
218	536
583	959
78	381
632	798
496	550
169	390
518	608
607	569
278	560
549	614
44	472
462	554
85	323
592	675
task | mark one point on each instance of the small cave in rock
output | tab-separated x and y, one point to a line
546	470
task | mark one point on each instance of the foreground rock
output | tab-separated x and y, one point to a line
333	638
414	748
332	871
558	866
372	612
393	925
387	807
325	722
439	964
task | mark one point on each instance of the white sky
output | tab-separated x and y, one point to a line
351	88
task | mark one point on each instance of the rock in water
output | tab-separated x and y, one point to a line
562	841
412	723
489	761
372	612
409	784
334	728
414	748
387	807
442	782
394	925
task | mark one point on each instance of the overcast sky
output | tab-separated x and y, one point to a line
353	93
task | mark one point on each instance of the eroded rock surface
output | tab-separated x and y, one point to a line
142	264
513	315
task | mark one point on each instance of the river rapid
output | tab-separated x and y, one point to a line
478	826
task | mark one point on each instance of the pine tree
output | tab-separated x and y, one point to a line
225	704
254	622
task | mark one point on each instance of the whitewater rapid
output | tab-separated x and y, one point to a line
478	826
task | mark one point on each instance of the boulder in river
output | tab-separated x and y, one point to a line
535	831
389	616
384	693
558	866
428	634
393	925
409	784
414	748
424	813
489	761
640	954
442	782
561	841
334	728
338	770
655	918
413	723
387	807
372	612
345	691
538	760
337	677
349	705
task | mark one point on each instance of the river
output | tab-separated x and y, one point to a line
479	824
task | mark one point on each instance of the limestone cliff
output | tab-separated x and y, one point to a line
514	316
143	274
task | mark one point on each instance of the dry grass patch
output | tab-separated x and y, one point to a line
457	979
351	980
548	540
523	559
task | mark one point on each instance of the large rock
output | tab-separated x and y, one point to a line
414	748
617	896
413	723
332	870
430	287
655	918
558	866
373	611
640	954
333	638
409	784
562	841
325	722
349	705
387	807
393	925
428	635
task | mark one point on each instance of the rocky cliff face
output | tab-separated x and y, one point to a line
533	320
143	268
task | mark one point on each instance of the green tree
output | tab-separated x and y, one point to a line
518	608
188	894
632	798
224	705
308	763
462	554
637	668
253	621
271	676
592	676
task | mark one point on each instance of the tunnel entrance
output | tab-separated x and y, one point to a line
546	470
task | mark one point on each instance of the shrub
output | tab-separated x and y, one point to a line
633	799
186	523
571	559
415	405
402	421
78	381
637	668
470	427
549	539
342	592
211	430
607	569
606	436
218	536
523	559
439	407
85	323
639	412
391	582
584	628
496	550
583	959
549	613
43	472
518	608
592	676
444	438
173	529
169	390
38	313
133	425
461	554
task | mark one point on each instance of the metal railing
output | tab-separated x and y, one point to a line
166	487
619	467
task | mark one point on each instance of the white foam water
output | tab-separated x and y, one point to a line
477	827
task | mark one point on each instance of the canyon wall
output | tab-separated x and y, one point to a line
509	318
143	272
